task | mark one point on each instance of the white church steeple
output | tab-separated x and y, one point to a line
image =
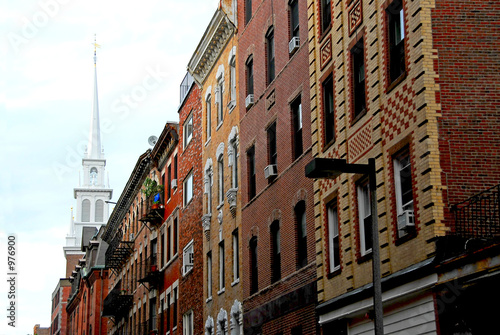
94	149
93	194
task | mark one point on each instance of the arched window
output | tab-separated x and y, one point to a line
93	176
99	211
86	210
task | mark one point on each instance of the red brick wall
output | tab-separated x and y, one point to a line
190	159
466	35
275	201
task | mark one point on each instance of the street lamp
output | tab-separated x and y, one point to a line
329	168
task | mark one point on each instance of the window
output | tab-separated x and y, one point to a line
209	275
175	166
209	181
209	117
358	72
188	258
188	130
300	215
219	97
404	193
297	128
272	145
234	165
297	330
333	236
251	173
232	80
169	243
162	248
326	15
248	10
169	186
187	321
396	34
220	173
365	218
99	211
249	76
270	55
86	210
294	18
236	257
93	176
222	267
254	270
275	252
175	296
188	188
174	237
168	312
328	115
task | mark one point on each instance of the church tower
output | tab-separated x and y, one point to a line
91	196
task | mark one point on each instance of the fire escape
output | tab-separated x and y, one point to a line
152	210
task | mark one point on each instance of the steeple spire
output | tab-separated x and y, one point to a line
94	146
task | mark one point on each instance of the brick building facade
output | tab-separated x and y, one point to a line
190	186
89	286
389	82
215	71
59	316
275	140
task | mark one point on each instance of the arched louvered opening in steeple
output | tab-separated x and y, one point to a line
99	211
86	210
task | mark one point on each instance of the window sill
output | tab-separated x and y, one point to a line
236	282
221	291
219	125
334	273
208	140
208	299
365	258
231	106
396	82
358	117
325	33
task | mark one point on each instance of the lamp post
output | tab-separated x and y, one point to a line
330	168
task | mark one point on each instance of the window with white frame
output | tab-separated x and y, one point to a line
236	257
333	236
220	173
188	130
209	275
232	80
222	267
188	188
209	116
188	258
187	321
365	218
404	192
219	92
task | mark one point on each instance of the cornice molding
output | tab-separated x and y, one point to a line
218	33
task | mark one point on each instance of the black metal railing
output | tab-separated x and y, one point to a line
119	300
118	251
152	208
478	216
148	270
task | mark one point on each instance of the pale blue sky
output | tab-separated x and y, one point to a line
46	88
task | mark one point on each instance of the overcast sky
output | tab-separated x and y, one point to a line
46	91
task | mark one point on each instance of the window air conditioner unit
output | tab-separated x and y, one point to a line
174	184
249	101
294	44
270	171
191	258
131	237
406	220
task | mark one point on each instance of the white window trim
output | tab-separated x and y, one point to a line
363	213
184	254
188	317
333	225
187	139
185	186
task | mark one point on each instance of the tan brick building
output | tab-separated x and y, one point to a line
383	87
214	68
